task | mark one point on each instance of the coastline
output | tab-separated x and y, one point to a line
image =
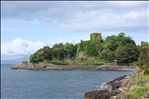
42	66
133	86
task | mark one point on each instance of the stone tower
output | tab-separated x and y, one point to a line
95	37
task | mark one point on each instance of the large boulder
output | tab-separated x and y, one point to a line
90	95
115	88
102	94
116	85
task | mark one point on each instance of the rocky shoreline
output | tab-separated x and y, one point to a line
42	66
111	90
134	86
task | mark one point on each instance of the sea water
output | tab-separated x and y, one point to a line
52	84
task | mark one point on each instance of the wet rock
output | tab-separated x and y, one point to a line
14	68
102	94
91	95
113	89
115	80
115	92
116	85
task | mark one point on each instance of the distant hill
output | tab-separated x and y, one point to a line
15	61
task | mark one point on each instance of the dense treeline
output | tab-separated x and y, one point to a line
57	52
120	48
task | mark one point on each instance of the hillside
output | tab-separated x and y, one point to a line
116	49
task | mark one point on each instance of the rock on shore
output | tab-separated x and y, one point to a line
113	89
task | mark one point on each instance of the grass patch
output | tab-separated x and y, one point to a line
91	62
87	62
138	78
137	92
138	85
58	62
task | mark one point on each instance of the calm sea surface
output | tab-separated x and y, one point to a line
52	84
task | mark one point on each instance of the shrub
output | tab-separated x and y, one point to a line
24	62
136	93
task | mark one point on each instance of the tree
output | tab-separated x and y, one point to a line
126	54
69	50
41	55
58	51
110	43
108	55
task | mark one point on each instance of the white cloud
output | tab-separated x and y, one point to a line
19	48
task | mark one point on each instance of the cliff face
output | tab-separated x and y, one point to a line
91	48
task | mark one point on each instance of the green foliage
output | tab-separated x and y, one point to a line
58	51
88	47
41	55
70	50
111	42
96	37
58	62
91	62
138	85
126	54
120	48
138	92
24	62
145	57
108	55
135	64
91	49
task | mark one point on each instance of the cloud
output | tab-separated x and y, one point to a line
19	48
106	20
78	16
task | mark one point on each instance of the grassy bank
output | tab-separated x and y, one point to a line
138	85
88	62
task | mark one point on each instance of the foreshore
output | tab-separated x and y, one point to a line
70	67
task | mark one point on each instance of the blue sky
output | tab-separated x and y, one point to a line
27	26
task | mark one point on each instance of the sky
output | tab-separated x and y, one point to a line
27	26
